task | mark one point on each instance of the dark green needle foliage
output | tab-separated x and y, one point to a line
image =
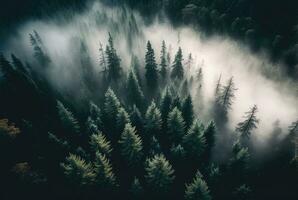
100	144
176	126
151	73
197	189
78	171
131	145
134	92
210	134
163	62
159	174
122	119
251	121
165	105
95	114
113	61
177	67
69	123
153	121
137	191
188	112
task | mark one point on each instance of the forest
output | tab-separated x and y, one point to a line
149	99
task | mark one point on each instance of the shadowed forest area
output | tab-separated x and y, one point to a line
149	99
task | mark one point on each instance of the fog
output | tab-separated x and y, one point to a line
257	80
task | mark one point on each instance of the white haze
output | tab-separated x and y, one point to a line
276	100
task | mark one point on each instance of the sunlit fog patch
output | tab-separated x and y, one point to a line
217	56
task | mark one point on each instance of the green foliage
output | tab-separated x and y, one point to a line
245	128
67	119
178	152
151	68
176	126
100	144
111	108
105	177
122	119
154	147
177	71
209	134
131	145
153	120
113	61
136	189
137	119
198	189
243	192
165	105
159	174
91	127
187	111
227	95
95	114
134	92
163	61
194	141
78	171
240	158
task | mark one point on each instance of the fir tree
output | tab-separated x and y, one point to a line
153	120
137	119
165	106
105	178
131	145
100	144
176	126
194	141
39	53
78	171
177	71
134	92
163	62
209	134
154	147
113	61
91	127
122	119
187	111
159	174
151	73
111	108
95	114
69	122
245	128
198	189
239	161
227	95
136	189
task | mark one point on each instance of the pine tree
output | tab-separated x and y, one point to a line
95	114
78	171
227	95
176	126
194	141
113	61
111	108
136	189
159	174
198	189
131	145
105	178
239	161
134	92
177	102
151	73
137	119
153	120
187	111
122	119
209	134
154	147
163	61
165	106
99	143
245	128
91	127
177	71
69	122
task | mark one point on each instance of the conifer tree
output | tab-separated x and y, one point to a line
163	61
159	174
154	147
131	145
78	171
39	53
137	119
19	65
187	111
177	102
198	189
227	95
239	161
122	119
136	189
91	127
194	141
113	61
69	122
134	92
245	128
100	144
111	108
177	71
151	73
165	106
105	177
153	120
176	126
209	134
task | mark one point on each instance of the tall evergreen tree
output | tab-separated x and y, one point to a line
159	174
100	144
137	119
131	145
198	189
163	61
70	124
113	61
78	171
245	128
153	120
209	134
227	95
151	73
122	119
134	92
95	114
176	126
136	189
194	141
187	111
177	71
105	177
165	106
